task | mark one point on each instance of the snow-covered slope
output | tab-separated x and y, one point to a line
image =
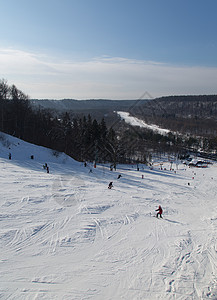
65	235
138	122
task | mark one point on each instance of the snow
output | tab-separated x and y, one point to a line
138	122
65	235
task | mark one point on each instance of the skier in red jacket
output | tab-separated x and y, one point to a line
160	211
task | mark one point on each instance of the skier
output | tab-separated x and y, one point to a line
160	211
110	185
119	176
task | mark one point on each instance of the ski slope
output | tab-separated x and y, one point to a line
133	121
65	235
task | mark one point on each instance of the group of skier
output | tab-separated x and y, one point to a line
159	210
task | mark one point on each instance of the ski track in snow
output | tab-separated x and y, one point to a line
65	235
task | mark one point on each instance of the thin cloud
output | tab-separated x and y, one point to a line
41	76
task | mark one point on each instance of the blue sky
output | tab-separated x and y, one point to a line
119	49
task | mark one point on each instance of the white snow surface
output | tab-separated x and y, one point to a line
65	235
134	121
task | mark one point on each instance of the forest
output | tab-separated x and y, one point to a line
195	115
86	138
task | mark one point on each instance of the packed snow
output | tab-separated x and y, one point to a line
134	121
65	235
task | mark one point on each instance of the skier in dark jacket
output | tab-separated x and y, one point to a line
110	185
160	211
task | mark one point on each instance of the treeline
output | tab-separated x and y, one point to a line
201	106
86	139
81	138
195	115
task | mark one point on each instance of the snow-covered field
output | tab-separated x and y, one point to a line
65	235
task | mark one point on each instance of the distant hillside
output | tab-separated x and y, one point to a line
187	114
83	105
176	106
195	115
182	106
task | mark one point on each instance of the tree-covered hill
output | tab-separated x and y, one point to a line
99	134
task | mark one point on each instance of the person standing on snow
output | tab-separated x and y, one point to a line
110	185
160	211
